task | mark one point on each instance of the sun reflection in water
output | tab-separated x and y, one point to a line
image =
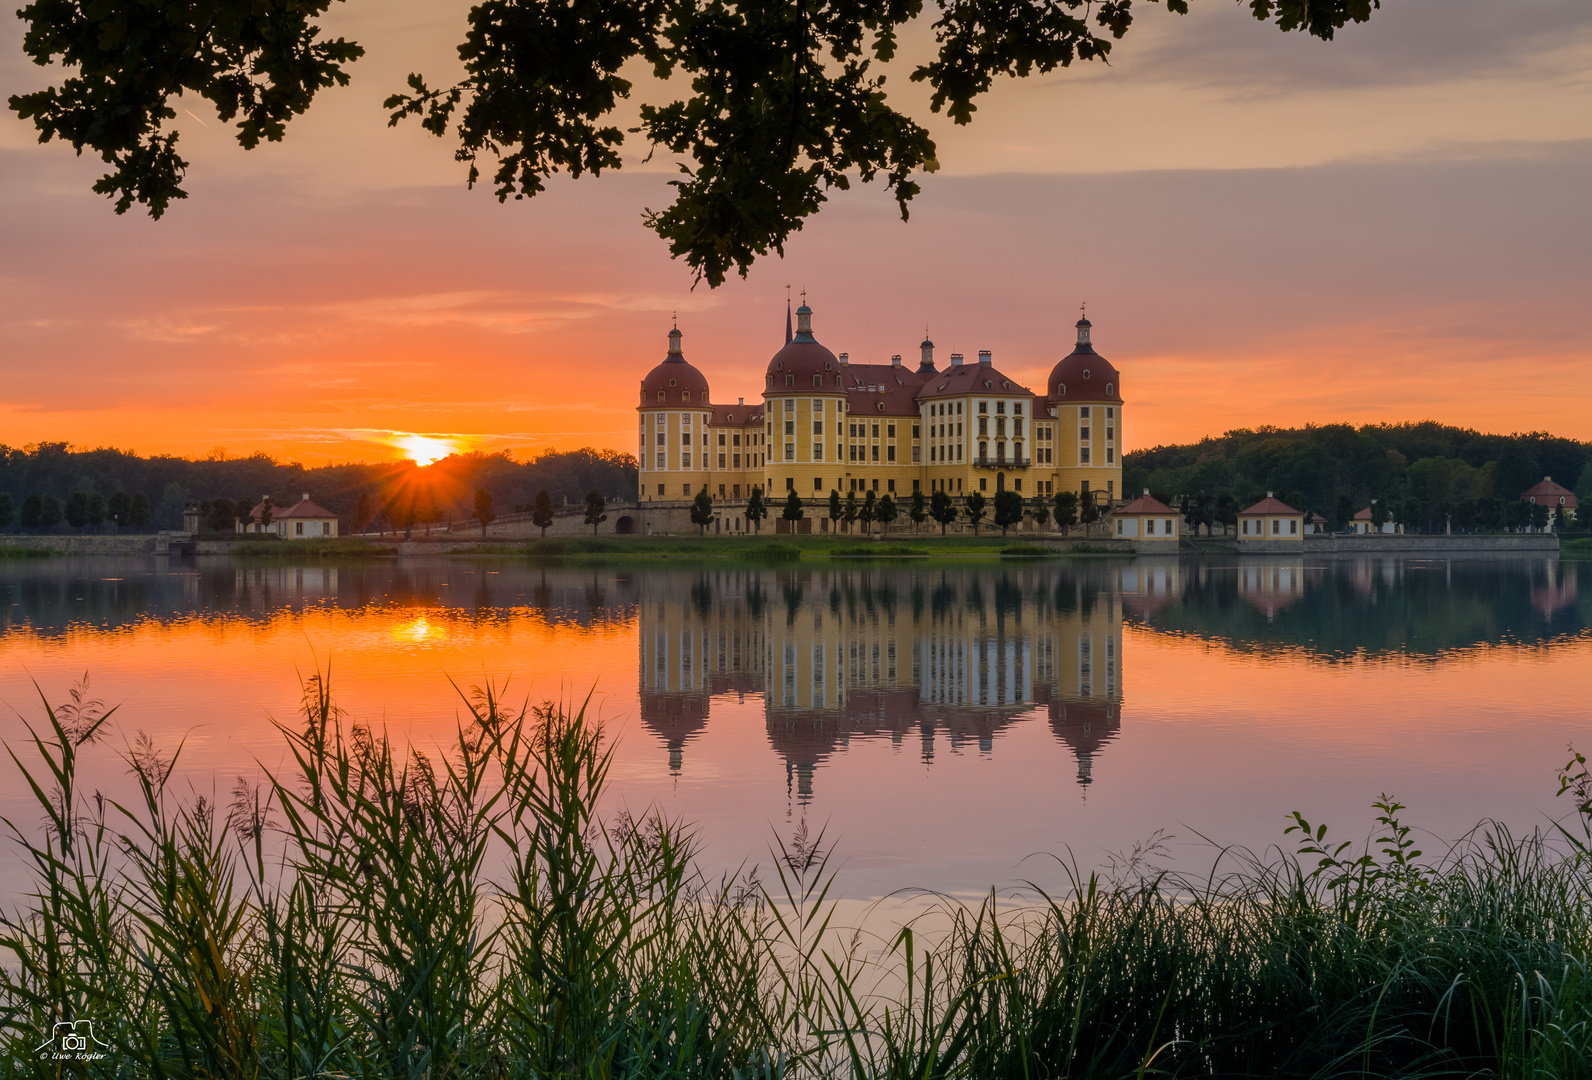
419	631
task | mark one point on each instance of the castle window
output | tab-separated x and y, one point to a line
1110	389
790	404
1086	373
1000	408
983	406
1017	408
660	398
685	395
790	380
1111	413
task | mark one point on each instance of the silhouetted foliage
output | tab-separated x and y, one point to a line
1424	475
785	102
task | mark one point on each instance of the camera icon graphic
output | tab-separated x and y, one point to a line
74	1037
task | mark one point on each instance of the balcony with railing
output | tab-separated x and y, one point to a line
999	461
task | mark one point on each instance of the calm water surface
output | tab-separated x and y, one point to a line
944	722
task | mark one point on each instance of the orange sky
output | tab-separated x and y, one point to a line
1267	229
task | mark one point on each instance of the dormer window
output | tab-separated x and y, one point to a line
685	396
660	395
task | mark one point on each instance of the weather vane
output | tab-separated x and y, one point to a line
1083	310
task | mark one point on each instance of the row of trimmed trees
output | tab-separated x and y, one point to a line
1067	508
81	510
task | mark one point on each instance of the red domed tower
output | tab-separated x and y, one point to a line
675	415
1084	397
805	402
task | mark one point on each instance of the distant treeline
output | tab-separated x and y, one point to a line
151	492
1422	475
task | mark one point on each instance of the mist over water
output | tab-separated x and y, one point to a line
943	723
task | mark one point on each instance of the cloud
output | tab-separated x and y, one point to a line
1406	43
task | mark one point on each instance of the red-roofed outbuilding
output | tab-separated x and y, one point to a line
1147	519
1554	497
304	520
1271	519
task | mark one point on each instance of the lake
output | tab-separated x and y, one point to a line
950	725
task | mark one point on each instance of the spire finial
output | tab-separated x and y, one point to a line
1083	310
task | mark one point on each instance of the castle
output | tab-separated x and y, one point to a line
824	424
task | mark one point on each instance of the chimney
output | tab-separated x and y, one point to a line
740	401
956	359
845	358
985	356
895	360
306	496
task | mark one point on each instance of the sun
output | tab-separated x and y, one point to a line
422	449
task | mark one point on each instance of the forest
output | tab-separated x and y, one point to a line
85	485
1423	475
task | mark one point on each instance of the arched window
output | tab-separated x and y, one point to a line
660	395
685	395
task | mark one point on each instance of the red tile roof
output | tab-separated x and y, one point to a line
1548	493
304	508
1083	376
1269	505
737	415
869	385
971	379
1146	504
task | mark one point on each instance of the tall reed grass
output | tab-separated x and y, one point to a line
379	911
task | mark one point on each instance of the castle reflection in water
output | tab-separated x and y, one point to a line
944	659
951	658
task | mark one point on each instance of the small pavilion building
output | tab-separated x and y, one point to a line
1363	526
1554	497
1271	519
304	520
1148	522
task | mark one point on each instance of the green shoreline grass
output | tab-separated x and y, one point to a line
328	548
375	911
8	552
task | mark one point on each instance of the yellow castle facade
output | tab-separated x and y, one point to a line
823	424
